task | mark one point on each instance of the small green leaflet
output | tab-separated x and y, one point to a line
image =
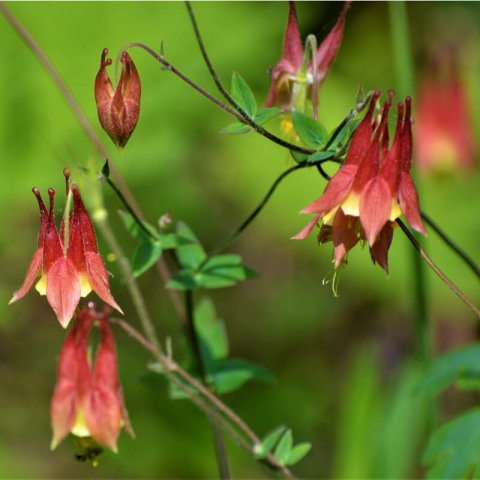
151	246
461	366
299	157
318	156
224	271
231	374
218	272
284	447
454	449
285	452
135	229
298	452
344	135
211	333
261	117
266	114
236	128
309	130
242	94
269	441
145	255
190	254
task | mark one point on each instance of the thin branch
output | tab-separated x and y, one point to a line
168	66
169	366
245	117
192	334
227	241
459	251
437	270
131	282
121	197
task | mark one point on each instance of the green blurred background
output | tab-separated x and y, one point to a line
344	366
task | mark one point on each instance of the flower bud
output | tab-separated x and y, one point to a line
118	109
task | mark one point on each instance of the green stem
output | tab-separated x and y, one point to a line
121	197
239	114
66	222
405	86
220	451
228	240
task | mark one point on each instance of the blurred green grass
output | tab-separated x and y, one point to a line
176	161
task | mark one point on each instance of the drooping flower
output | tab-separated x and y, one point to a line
118	109
371	190
443	126
69	265
287	77
88	400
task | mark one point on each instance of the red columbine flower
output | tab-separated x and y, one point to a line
118	110
88	400
443	125
371	190
69	267
288	71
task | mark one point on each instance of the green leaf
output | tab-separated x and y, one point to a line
170	240
459	364
145	256
236	128
231	374
298	452
212	334
224	271
261	117
190	253
266	114
284	447
453	450
309	130
344	134
185	280
268	442
316	157
299	157
242	94
134	228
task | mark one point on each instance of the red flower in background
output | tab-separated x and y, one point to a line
69	267
371	190
118	109
88	400
443	125
287	71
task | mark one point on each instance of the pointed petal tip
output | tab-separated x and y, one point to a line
56	439
64	321
298	236
115	305
13	299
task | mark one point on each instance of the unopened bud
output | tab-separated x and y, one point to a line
118	109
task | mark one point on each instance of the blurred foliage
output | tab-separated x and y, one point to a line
345	368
